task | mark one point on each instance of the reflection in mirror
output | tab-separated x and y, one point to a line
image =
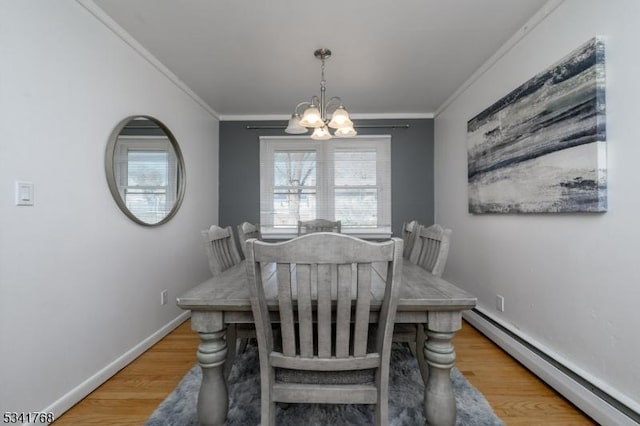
145	170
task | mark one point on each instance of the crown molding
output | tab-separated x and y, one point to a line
533	22
120	32
393	115
255	117
281	117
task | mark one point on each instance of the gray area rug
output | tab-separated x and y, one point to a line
405	406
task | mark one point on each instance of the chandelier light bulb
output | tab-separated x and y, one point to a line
340	119
321	134
345	132
312	117
294	127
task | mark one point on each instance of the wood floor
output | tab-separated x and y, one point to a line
129	397
517	396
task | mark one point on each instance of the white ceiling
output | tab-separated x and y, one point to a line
255	57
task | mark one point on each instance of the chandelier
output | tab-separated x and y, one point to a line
316	116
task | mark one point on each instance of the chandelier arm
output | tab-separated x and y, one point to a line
332	102
295	110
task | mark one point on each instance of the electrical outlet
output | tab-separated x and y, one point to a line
164	295
500	303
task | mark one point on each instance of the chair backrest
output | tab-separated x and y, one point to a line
246	231
221	248
431	248
323	278
318	225
409	236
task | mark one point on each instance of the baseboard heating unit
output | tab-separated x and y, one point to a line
591	399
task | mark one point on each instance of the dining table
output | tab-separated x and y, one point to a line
425	299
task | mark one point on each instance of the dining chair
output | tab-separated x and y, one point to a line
222	253
408	236
431	248
430	251
322	350
248	230
221	248
318	225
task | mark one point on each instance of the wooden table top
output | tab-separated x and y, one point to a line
420	291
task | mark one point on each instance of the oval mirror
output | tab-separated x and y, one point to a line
145	170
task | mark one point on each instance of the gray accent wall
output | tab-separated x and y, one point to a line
412	184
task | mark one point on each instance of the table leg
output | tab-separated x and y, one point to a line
213	399
439	401
422	362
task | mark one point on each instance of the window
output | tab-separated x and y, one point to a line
346	180
146	172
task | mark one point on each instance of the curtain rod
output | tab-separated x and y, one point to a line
361	126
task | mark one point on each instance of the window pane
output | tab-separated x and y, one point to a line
355	168
294	193
296	168
290	206
357	207
148	205
147	168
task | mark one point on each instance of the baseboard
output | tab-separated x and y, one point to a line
89	385
592	400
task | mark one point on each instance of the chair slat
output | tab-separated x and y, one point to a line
223	253
286	310
423	255
227	254
305	393
327	364
215	246
427	258
325	273
363	305
343	313
305	315
434	250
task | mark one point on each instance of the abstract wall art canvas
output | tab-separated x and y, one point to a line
541	148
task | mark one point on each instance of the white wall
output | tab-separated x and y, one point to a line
79	282
571	282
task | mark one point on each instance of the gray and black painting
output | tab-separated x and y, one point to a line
541	148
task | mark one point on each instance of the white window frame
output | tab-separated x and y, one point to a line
325	187
149	144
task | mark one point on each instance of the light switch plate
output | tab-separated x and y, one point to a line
24	193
